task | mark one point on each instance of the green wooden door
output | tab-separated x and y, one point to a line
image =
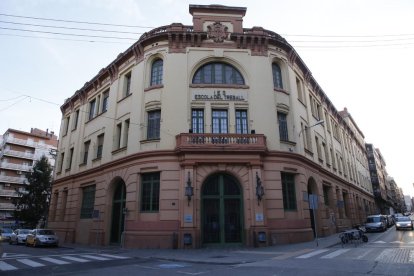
222	216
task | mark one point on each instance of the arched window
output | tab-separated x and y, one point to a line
277	76
217	73
156	72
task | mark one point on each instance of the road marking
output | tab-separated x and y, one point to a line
379	242
311	254
335	254
13	255
71	258
365	253
30	262
55	261
5	266
95	257
113	256
397	242
292	254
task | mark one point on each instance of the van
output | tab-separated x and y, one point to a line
376	223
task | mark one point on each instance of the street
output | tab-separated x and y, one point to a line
388	253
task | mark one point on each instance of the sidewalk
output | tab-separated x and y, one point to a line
225	256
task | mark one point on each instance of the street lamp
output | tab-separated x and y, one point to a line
189	190
321	122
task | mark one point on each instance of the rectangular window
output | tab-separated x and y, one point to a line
63	205
105	99
327	121
75	120
288	190
283	128
127	83
197	120
118	136
86	146
88	202
99	147
300	91
326	190
318	148
325	149
220	121
241	122
62	158
66	125
333	159
125	133
69	164
92	106
154	119
150	192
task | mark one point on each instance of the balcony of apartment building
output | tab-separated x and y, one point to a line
20	168
225	142
8	193
19	154
21	142
12	179
7	206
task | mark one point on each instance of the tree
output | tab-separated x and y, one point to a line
32	203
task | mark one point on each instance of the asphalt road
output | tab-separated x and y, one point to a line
388	253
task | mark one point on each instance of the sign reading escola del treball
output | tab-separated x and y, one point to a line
219	95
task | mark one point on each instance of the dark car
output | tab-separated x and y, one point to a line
376	223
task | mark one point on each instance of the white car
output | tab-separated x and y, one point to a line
19	236
38	237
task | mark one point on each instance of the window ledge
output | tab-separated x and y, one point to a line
152	87
96	116
96	159
67	170
288	142
125	97
308	152
281	90
119	150
149	141
82	164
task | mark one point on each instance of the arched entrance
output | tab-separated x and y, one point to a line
312	191
118	205
221	210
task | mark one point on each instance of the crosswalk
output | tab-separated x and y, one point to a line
388	255
10	264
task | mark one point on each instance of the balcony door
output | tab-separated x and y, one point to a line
222	215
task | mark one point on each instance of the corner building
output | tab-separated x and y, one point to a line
207	134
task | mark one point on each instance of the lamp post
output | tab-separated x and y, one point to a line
259	189
189	190
321	122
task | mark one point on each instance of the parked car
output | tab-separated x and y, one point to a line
403	223
376	223
19	236
5	234
38	237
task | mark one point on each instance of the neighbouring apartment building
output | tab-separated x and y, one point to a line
18	151
207	134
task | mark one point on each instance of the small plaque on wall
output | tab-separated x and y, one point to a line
259	216
188	218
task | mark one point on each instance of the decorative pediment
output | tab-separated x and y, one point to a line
217	32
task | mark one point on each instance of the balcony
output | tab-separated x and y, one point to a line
22	142
7	206
8	193
221	142
12	166
12	179
20	154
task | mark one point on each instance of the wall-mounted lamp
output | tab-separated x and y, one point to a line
321	122
259	189
189	190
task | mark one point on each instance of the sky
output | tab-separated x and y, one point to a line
361	52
